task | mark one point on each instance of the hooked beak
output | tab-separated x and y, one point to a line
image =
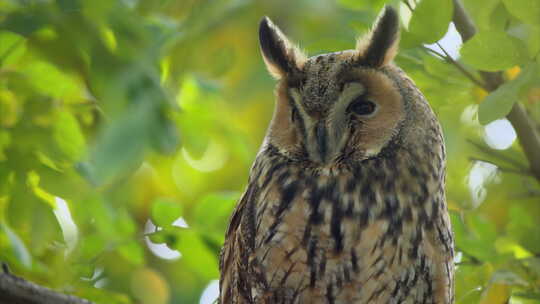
318	146
321	139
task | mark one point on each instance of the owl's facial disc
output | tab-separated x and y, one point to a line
337	106
326	135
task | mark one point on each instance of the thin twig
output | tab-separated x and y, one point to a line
498	155
406	2
472	259
502	168
441	56
14	289
460	67
449	58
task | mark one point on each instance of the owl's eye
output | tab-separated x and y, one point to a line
362	107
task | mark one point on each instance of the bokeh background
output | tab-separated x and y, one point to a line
128	127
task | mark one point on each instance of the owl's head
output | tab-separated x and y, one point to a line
343	105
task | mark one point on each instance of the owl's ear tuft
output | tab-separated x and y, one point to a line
380	46
280	56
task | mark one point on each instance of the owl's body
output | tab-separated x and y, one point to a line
345	201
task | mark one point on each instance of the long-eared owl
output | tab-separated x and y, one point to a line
345	201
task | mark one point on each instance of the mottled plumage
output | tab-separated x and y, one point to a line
345	201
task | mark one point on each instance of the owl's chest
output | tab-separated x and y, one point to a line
309	232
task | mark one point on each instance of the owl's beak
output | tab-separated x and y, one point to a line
321	138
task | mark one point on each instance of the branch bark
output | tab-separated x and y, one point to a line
15	290
523	125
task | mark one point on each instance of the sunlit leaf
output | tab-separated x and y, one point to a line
5	141
196	255
12	47
499	103
33	183
362	5
165	212
91	247
430	20
10	109
19	249
496	294
213	210
493	51
481	11
68	135
132	252
49	80
528	11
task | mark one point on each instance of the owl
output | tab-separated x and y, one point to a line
345	201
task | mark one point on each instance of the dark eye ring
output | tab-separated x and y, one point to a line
362	107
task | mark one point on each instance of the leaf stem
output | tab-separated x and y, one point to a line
498	155
461	68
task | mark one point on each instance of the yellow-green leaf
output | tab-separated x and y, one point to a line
499	103
68	136
430	20
165	212
493	51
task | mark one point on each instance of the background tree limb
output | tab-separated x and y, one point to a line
15	290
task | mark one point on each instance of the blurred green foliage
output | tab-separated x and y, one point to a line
138	110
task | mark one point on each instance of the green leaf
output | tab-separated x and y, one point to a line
196	254
91	247
120	149
168	235
25	22
68	135
481	11
361	5
17	245
499	103
165	137
49	80
430	20
530	35
5	141
526	10
12	47
32	180
132	252
493	51
212	212
165	212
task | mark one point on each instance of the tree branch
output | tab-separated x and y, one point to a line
528	136
15	290
525	128
463	22
460	67
500	155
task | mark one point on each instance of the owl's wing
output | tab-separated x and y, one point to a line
442	241
234	285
